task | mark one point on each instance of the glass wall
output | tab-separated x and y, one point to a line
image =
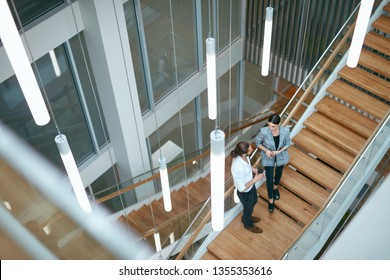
65	94
28	11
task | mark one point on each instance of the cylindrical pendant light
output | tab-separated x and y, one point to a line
267	41
165	184
20	63
73	172
157	241
360	32
211	78
55	64
217	176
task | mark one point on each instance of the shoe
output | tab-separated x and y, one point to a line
276	194
254	219
270	207
254	229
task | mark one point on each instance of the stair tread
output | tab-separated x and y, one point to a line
292	205
382	23
335	132
314	169
358	99
387	7
375	62
355	121
366	80
304	187
377	42
324	150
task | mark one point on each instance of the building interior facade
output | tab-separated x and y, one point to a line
126	82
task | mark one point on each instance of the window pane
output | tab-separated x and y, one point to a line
135	46
169	45
86	78
64	102
31	10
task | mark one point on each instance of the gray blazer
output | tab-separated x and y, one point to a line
266	138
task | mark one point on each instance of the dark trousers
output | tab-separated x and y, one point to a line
273	179
248	201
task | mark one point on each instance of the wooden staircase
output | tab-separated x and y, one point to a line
321	153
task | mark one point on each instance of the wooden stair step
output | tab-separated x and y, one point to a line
387	7
138	223
335	133
198	193
375	62
382	23
146	214
346	116
324	150
314	169
366	80
358	99
209	257
160	215
292	205
179	202
304	187
229	248
377	42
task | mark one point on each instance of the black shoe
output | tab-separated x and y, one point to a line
276	194
270	207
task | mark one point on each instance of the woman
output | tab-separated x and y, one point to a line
242	172
273	142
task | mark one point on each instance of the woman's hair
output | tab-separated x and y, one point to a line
241	148
275	119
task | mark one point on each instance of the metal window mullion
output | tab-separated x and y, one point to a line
144	53
80	92
199	33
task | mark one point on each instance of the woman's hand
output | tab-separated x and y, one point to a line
269	153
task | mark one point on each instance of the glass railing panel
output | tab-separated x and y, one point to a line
323	69
321	228
46	207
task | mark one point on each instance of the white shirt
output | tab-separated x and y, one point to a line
242	173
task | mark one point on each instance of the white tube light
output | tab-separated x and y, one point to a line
360	32
165	184
73	172
211	78
55	64
20	63
267	41
217	178
157	242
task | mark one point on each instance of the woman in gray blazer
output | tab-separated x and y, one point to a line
273	142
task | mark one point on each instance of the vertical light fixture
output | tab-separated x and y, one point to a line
211	78
20	63
267	41
73	173
157	241
360	32
165	184
217	176
55	64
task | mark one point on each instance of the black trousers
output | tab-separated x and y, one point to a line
273	176
248	201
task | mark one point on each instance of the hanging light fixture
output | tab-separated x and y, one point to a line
20	63
267	41
211	78
157	241
217	178
73	172
54	62
165	184
360	32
